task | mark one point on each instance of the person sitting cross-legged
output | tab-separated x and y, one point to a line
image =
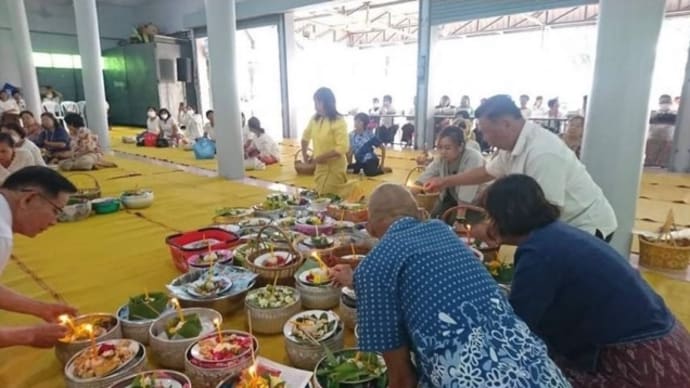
422	290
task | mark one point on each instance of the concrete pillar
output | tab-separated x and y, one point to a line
424	122
220	18
618	110
680	159
286	38
16	15
89	39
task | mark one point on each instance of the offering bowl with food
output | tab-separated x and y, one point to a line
349	211
286	222
137	199
350	254
315	225
320	205
253	224
274	262
348	307
172	333
231	215
198	242
105	205
221	288
268	374
316	290
99	326
351	368
76	209
102	363
271	306
224	353
159	378
311	326
139	313
203	261
309	334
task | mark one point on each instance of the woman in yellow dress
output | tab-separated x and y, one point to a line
327	131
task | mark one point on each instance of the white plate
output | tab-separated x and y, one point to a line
263	259
253	222
201	244
164	382
196	351
189	287
197	260
326	222
133	346
344	224
290	326
352	257
241	212
232	228
310	243
286	222
302	277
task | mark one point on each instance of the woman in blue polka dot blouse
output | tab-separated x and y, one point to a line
421	290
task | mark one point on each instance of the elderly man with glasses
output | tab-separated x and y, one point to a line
421	290
31	200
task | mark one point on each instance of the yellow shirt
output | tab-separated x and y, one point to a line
327	135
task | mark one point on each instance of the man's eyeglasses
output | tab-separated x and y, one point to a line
56	209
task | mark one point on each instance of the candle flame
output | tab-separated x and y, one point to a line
252	370
88	328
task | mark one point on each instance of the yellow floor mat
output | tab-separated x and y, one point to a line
97	263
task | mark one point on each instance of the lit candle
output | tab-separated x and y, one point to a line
216	323
146	294
468	227
316	257
176	304
66	321
89	329
251	337
270	248
354	253
342	215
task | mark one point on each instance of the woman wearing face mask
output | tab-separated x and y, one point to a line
152	125
11	159
453	157
168	127
21	143
327	131
54	140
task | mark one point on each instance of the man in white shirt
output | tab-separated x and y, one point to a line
30	201
387	129
209	130
524	110
526	148
7	104
22	143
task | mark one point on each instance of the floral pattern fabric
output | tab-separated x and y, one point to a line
85	142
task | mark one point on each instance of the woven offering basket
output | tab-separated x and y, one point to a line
302	167
490	253
90	192
267	275
305	355
426	201
667	251
356	216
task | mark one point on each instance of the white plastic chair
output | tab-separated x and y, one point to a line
54	108
82	110
70	107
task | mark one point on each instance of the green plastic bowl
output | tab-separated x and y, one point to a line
105	205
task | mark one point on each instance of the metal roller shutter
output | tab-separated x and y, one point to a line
448	11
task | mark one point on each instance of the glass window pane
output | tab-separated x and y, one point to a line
62	61
43	60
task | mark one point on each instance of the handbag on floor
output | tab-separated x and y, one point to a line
204	148
162	142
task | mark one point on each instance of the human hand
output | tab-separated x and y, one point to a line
341	275
435	184
44	335
50	312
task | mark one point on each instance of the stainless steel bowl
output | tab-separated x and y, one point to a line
225	304
136	365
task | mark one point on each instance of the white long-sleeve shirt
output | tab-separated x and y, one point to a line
267	146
